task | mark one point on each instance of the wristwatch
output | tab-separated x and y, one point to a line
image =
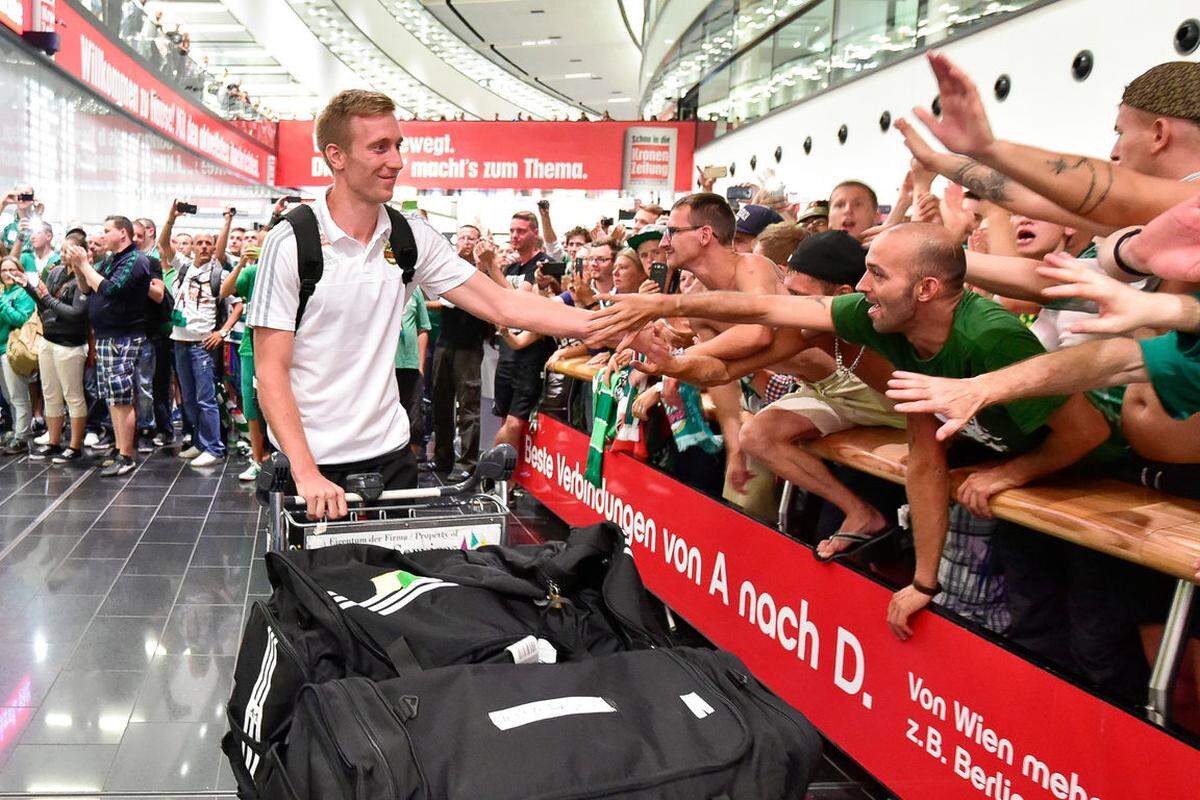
931	591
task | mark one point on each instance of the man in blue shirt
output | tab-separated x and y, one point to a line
118	287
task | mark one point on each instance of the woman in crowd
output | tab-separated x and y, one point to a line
16	306
63	309
628	273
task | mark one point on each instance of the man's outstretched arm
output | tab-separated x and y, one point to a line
632	311
485	299
1099	190
1092	365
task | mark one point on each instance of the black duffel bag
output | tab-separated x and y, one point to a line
675	723
364	611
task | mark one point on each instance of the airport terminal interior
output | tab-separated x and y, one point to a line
740	399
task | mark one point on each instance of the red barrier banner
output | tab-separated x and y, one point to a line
947	715
517	155
88	55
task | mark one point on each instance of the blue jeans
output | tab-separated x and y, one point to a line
143	388
197	384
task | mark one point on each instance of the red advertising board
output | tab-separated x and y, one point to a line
947	714
88	55
501	155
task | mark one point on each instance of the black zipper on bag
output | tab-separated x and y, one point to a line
751	687
382	762
284	643
338	615
330	745
407	737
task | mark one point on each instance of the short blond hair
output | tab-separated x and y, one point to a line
779	240
333	122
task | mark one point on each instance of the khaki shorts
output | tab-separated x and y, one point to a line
838	402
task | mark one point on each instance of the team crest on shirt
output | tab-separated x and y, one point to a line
388	255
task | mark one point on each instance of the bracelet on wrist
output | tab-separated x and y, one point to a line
1117	254
931	591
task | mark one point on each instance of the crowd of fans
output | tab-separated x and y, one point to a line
118	334
167	49
1036	316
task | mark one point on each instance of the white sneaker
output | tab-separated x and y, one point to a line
190	453
91	439
251	472
205	459
43	439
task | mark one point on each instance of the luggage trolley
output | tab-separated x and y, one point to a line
459	516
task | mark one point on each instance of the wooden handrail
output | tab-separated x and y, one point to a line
1137	524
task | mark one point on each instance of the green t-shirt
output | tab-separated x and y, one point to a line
10	233
1173	361
244	288
984	337
29	262
416	319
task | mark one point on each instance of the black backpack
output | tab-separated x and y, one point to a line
311	263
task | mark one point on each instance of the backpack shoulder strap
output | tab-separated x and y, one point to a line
309	261
404	246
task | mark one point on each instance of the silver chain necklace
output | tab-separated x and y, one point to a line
837	357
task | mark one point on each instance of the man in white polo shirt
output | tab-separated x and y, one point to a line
327	388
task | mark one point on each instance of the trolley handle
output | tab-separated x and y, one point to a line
497	464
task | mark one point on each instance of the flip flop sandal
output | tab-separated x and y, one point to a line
858	543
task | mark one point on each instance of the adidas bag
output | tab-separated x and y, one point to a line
678	724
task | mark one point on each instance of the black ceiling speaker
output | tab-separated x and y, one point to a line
778	154
1081	67
843	132
807	145
753	162
733	169
885	121
936	105
1187	37
1002	87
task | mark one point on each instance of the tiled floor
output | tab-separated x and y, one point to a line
122	604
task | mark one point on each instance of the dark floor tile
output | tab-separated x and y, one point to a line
139	496
203	630
94	502
185	688
161	480
84	576
62	522
51	618
118	643
125	517
226	524
85	707
177	530
23	505
11	527
53	768
259	582
105	543
159	558
215	585
141	596
170	756
188	484
184	506
51	483
41	550
241	503
223	551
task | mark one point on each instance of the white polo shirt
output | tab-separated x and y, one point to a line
342	361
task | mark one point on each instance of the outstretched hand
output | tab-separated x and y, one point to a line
1169	244
963	126
625	312
955	401
1121	307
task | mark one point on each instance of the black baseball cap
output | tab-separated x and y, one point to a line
833	256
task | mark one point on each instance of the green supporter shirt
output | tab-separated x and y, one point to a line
29	262
984	337
1173	362
416	319
16	307
244	288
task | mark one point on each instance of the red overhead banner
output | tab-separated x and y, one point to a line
88	55
946	715
518	155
